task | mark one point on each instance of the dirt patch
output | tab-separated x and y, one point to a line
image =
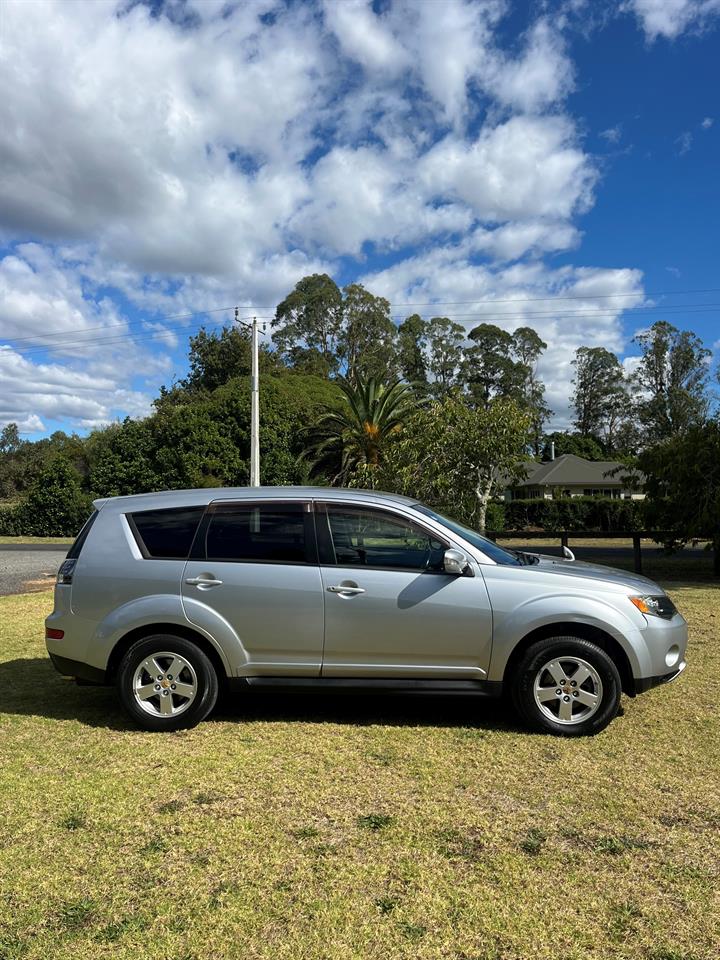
46	582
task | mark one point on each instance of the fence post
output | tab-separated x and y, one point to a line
637	552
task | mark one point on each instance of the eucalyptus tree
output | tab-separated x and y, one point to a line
365	341
445	355
456	456
411	344
308	323
672	380
600	398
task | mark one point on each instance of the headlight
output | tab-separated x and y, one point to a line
661	606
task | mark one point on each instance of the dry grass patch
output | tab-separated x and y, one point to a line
356	828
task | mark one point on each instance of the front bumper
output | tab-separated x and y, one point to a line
642	684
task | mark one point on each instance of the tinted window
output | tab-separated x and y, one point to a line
74	551
369	538
260	533
166	534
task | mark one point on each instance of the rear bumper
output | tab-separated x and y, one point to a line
82	672
642	684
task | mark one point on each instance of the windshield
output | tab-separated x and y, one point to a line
489	548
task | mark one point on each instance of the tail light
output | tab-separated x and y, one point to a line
52	633
65	573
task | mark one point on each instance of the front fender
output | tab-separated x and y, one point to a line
165	609
539	612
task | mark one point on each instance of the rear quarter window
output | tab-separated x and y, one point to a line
166	534
74	551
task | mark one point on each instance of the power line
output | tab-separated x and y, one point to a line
603	314
41	343
586	296
428	303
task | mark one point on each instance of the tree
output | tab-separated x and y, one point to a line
55	505
590	448
444	340
365	340
410	348
216	358
355	435
682	482
672	377
9	438
502	364
490	369
600	398
205	441
527	348
308	323
455	456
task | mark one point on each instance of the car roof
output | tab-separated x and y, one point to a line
164	499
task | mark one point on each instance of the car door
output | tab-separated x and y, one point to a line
254	563
390	609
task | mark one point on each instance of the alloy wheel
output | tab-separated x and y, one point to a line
568	690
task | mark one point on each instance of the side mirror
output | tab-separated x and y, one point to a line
457	563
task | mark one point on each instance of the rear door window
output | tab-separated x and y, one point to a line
166	534
261	533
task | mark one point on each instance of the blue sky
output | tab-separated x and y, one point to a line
546	163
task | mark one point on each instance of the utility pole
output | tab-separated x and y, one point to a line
254	403
254	410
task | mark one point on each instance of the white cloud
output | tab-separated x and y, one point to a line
525	294
213	153
707	123
85	399
612	134
540	76
684	142
670	18
527	167
365	36
514	240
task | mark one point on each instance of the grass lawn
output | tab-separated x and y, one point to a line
300	829
23	540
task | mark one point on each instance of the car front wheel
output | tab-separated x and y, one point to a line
167	683
568	686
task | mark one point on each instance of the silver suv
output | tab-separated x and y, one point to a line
173	595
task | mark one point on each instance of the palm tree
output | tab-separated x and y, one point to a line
354	435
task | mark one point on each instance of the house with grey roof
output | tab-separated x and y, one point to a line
571	476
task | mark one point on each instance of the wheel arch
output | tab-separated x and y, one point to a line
584	631
148	630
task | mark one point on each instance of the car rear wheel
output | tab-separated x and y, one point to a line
167	683
568	686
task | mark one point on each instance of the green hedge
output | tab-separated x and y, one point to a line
54	507
9	522
576	513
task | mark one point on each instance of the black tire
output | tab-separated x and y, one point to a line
197	674
561	651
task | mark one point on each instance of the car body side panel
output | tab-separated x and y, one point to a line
276	610
162	608
406	624
522	605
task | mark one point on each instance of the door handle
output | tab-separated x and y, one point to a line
203	582
350	591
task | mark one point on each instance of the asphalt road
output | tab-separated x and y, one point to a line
24	570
